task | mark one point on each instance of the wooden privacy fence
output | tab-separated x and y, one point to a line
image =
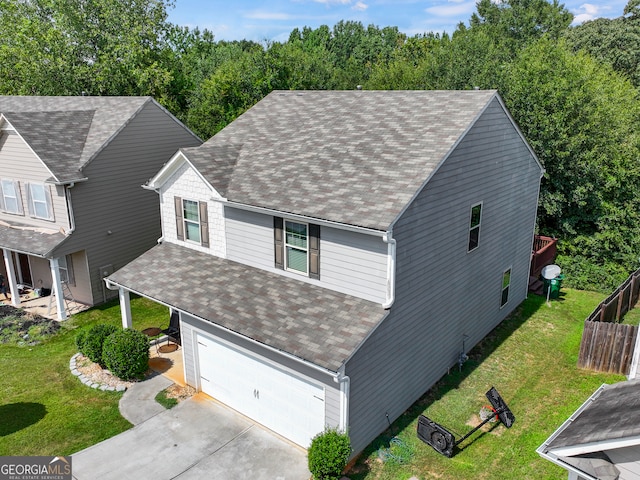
607	346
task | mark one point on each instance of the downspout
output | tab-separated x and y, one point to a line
345	383
72	221
391	268
146	186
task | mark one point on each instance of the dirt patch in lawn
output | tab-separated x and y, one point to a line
23	328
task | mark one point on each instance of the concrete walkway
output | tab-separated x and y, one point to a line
198	438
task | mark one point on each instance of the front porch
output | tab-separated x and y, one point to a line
44	306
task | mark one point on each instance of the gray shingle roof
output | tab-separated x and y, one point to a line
612	414
318	325
27	239
66	132
354	157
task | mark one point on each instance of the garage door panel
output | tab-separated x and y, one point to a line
286	403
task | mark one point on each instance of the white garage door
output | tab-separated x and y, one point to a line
279	400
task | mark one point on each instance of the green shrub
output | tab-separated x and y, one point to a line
328	454
126	353
80	339
94	339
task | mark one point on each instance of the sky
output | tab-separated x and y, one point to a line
273	20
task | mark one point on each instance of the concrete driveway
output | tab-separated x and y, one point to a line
199	438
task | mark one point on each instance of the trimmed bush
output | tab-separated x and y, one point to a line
93	341
328	454
126	353
81	336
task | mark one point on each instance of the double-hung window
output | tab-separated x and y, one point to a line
11	202
192	223
39	198
297	253
506	283
297	247
474	226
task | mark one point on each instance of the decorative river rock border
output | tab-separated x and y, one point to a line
89	382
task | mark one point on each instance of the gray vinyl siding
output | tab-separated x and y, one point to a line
444	294
351	263
19	163
191	325
116	219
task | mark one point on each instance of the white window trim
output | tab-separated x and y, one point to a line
471	227
187	221
65	267
286	245
18	197
48	202
507	287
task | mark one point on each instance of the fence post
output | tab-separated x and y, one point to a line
634	368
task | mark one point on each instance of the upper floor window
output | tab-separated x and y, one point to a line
297	247
296	257
474	226
39	200
10	197
192	221
506	283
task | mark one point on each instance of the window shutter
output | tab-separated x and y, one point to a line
2	207
204	224
314	251
49	201
179	220
30	200
278	242
16	188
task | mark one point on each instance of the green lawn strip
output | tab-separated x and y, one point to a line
44	410
165	401
531	359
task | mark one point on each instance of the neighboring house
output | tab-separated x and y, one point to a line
71	207
331	253
601	440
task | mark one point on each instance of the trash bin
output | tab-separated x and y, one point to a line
554	284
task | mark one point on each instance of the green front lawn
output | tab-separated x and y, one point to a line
44	410
531	360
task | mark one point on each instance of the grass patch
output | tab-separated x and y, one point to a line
166	401
531	359
44	410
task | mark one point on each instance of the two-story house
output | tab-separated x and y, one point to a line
71	207
332	253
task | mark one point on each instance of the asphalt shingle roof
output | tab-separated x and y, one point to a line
354	157
66	132
315	324
611	415
27	239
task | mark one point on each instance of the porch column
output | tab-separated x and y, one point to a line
125	308
11	273
57	289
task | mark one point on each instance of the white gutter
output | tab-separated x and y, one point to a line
345	385
72	222
391	269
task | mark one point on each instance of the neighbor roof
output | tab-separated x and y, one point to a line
66	132
354	157
612	413
313	323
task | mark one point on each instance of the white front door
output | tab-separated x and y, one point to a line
280	400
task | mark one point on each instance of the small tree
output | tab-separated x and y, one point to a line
93	340
126	353
328	454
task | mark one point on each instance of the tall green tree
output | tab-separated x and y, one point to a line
581	117
615	41
73	46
